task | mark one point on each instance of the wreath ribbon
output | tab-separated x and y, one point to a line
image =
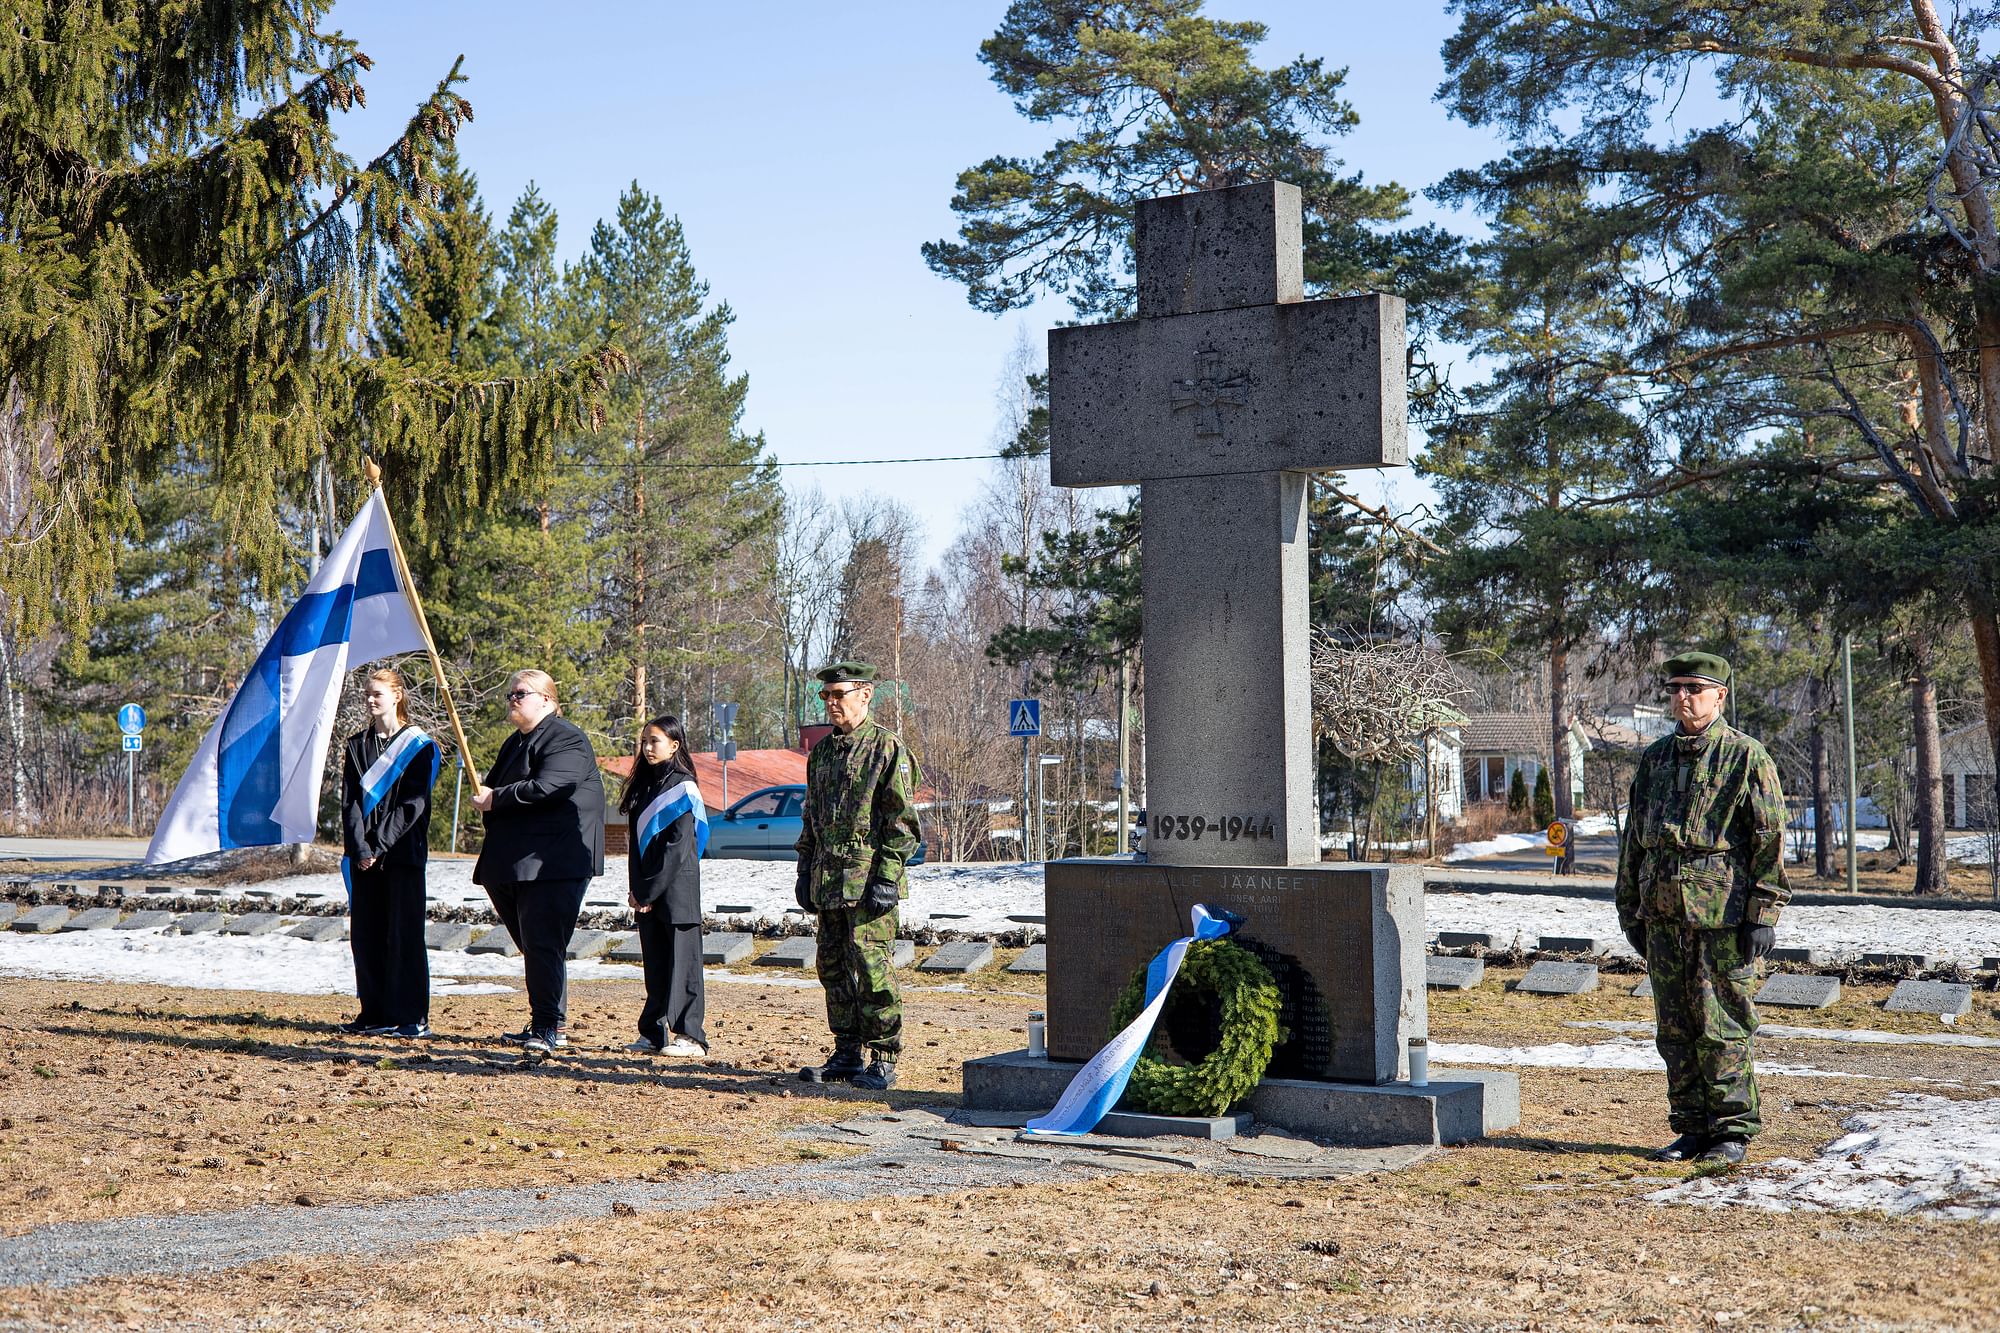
1101	1082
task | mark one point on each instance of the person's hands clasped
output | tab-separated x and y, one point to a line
366	863
482	799
880	895
632	901
1757	941
802	890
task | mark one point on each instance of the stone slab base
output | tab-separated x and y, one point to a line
1458	1106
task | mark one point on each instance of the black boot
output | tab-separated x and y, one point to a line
1730	1148
1682	1148
880	1075
842	1068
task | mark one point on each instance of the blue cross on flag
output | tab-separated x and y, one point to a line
1024	717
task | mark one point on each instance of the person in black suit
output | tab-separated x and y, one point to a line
385	806
669	824
544	814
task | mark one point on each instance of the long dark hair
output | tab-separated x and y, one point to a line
648	778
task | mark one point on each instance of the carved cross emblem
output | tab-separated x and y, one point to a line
1210	393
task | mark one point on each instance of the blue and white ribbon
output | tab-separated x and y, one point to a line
398	755
680	799
1101	1082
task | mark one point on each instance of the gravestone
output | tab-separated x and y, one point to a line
796	951
961	956
320	929
1644	990
733	909
1465	939
1923	962
1033	959
7	913
587	944
495	941
150	919
199	923
1454	973
627	949
44	920
1794	953
723	947
1930	997
447	935
1791	990
92	918
902	952
1588	944
1559	979
253	923
1219	400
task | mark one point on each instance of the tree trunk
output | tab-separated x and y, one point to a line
1559	731
639	577
1986	640
1822	798
1933	870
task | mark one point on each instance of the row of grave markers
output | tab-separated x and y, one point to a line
719	948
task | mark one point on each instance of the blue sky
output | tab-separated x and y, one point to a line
809	150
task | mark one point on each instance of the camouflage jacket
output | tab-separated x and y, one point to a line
1704	833
860	817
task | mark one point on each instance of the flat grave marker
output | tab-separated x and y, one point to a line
253	923
1793	953
795	951
627	949
1891	958
1453	973
734	909
1930	997
1559	979
44	920
7	913
152	918
496	941
902	952
93	918
1465	939
199	923
1034	959
447	935
723	947
1590	944
320	929
587	944
1791	990
1644	990
962	956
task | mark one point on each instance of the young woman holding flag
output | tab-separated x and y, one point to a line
390	768
663	806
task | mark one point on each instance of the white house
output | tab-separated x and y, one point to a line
1968	777
1495	746
1442	774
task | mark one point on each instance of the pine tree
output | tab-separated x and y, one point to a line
191	267
1545	800
1517	794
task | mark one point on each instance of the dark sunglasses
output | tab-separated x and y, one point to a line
1688	689
831	695
515	696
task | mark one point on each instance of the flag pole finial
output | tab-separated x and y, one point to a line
373	470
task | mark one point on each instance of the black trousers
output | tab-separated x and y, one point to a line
392	975
675	1001
541	916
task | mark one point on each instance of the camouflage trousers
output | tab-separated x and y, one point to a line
862	1005
1702	998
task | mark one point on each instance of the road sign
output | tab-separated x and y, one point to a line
133	742
1024	717
1558	839
725	750
725	717
131	721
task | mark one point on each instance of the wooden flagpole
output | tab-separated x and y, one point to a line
374	471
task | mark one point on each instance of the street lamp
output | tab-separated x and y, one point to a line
1042	807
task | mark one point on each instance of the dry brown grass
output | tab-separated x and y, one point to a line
1542	1227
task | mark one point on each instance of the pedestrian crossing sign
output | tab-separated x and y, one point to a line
1024	717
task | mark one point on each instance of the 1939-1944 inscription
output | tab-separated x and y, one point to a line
1224	828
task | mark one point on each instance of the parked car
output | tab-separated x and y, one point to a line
764	826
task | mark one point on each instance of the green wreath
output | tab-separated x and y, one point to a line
1249	1002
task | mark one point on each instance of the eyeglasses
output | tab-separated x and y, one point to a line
831	695
1688	689
515	696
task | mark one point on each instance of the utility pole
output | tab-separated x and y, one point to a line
1847	699
1124	783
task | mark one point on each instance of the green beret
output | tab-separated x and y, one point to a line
841	672
1702	666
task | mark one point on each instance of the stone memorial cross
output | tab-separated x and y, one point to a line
1218	400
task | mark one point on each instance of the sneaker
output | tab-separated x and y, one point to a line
644	1047
356	1028
558	1039
880	1075
541	1043
682	1046
408	1031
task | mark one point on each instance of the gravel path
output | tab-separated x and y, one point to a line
77	1252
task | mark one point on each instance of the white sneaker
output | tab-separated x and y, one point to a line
682	1046
644	1047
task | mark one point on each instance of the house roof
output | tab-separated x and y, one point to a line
1505	733
748	771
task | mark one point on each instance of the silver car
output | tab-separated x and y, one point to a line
764	826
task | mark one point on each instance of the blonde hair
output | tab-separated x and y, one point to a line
541	682
391	676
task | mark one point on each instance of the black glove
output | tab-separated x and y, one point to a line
1636	937
1758	941
880	895
803	889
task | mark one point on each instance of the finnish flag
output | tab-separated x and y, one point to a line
255	780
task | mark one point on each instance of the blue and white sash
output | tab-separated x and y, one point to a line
396	756
680	799
1101	1082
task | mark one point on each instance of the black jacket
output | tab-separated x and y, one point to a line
547	820
668	876
397	832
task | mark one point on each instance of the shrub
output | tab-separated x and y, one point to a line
1545	800
1517	795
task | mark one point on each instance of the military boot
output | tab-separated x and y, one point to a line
880	1075
1682	1148
1730	1148
842	1068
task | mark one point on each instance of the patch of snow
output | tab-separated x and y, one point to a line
1619	1053
1508	843
1790	1032
1919	1154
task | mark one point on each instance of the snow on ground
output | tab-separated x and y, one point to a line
1917	1154
1618	1053
1964	936
1790	1032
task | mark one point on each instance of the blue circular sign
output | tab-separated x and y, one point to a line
131	719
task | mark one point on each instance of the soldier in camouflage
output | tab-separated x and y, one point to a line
1701	881
860	830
